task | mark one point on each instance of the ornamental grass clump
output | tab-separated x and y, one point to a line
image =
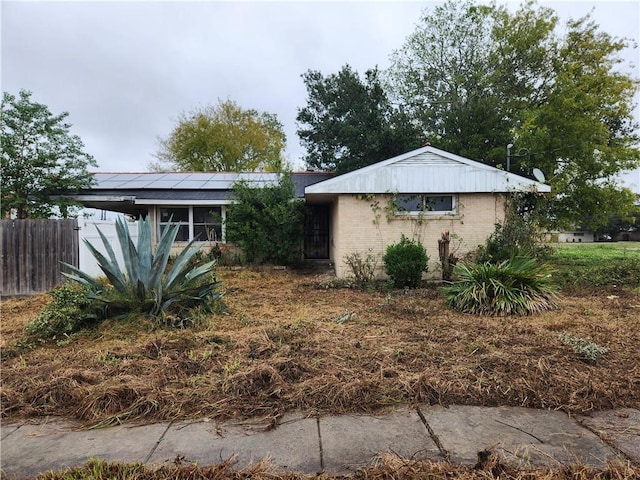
145	283
517	286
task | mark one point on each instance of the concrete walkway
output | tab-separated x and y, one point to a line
335	444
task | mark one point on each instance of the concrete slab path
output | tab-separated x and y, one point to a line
334	444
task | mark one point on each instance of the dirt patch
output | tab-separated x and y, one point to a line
287	344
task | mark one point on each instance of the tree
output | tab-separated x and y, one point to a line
267	223
223	138
349	123
477	78
40	157
467	72
582	132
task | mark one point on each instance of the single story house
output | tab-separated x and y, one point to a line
420	194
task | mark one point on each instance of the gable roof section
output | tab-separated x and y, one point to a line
427	170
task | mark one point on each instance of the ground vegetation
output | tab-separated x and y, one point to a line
291	340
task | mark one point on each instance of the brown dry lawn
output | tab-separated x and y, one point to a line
287	342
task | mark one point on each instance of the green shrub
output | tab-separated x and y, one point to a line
517	236
518	286
405	261
267	223
69	311
145	283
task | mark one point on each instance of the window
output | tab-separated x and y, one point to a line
202	223
207	223
176	215
416	204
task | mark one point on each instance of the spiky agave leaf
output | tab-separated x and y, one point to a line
145	252
111	269
80	277
178	271
162	255
130	257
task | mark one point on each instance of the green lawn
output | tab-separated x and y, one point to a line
597	264
594	253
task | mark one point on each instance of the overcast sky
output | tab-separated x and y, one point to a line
125	70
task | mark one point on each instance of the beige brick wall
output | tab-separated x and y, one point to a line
354	229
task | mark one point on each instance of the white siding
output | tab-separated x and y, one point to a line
89	231
427	170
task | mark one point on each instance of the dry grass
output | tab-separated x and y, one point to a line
387	467
288	344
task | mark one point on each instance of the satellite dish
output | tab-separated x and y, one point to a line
539	175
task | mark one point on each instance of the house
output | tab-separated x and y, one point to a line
198	201
420	194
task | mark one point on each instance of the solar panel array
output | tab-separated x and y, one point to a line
179	181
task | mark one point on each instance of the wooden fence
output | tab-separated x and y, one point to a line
31	252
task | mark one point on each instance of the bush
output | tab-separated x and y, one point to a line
363	267
267	223
69	311
518	236
405	261
517	286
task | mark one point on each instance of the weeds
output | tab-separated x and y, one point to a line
614	272
386	466
413	349
589	351
362	267
69	311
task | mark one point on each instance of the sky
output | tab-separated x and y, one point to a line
125	71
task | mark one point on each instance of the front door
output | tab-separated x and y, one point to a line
316	232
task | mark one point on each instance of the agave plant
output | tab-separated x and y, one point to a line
144	283
518	286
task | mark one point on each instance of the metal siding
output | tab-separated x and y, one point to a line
421	178
426	170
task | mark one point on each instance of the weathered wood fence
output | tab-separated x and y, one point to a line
31	251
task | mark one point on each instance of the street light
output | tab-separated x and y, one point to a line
509	156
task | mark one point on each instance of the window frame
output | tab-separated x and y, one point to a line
162	224
424	211
193	223
190	223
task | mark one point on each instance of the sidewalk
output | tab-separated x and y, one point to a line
335	444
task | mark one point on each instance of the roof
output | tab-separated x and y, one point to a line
133	193
211	181
427	170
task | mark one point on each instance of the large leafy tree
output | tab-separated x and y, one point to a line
40	158
477	78
350	123
224	137
582	132
467	72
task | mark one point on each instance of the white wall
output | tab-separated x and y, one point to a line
88	231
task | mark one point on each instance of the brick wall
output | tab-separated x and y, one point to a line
354	229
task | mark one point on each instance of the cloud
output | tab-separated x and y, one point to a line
126	70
